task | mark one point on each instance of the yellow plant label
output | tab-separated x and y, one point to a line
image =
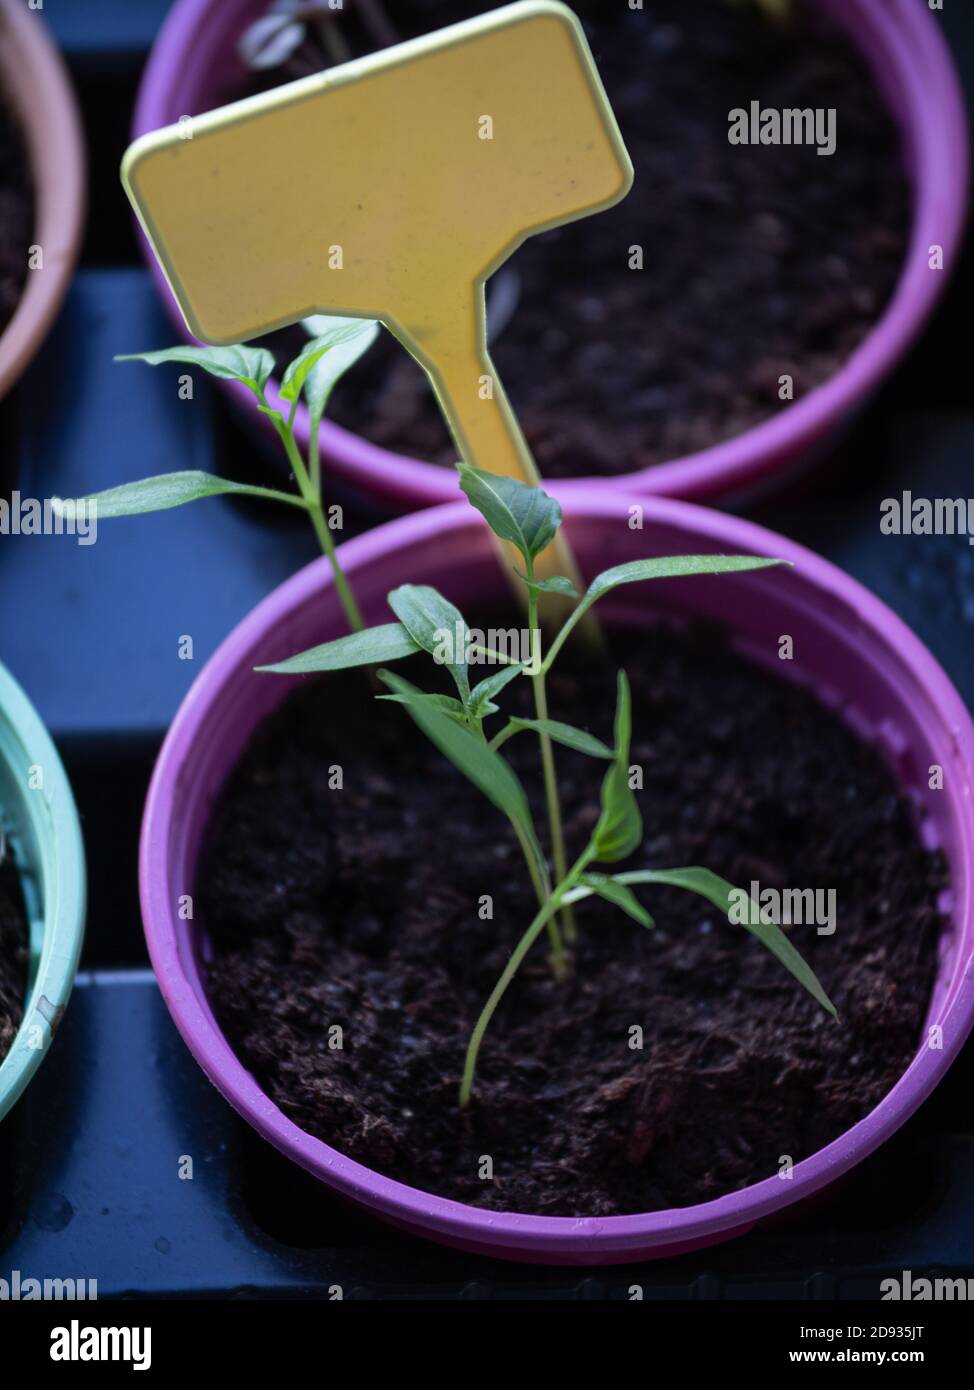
390	188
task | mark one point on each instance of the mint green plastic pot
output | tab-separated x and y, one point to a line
41	824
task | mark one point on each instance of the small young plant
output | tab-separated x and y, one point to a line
527	519
335	345
428	622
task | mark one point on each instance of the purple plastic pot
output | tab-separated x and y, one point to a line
194	64
849	647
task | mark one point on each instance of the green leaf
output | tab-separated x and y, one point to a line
620	826
524	515
718	891
437	626
168	490
673	567
446	704
296	373
477	761
605	886
250	365
565	734
343	341
482	695
661	567
387	642
346	339
557	584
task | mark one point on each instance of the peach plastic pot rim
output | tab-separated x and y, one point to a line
36	86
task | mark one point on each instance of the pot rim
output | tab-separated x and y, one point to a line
537	1237
41	98
57	931
902	42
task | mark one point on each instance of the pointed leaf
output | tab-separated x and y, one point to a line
347	340
446	704
250	365
338	334
167	490
617	893
515	512
485	768
718	891
437	626
674	567
387	642
660	567
482	695
620	826
565	734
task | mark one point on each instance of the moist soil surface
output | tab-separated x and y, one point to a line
359	908
14	954
758	261
16	214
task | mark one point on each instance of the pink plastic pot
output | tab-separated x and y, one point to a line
36	85
194	64
849	646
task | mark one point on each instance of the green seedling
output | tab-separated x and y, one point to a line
528	518
335	345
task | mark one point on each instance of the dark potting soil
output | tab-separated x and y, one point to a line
16	214
14	953
360	908
759	261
